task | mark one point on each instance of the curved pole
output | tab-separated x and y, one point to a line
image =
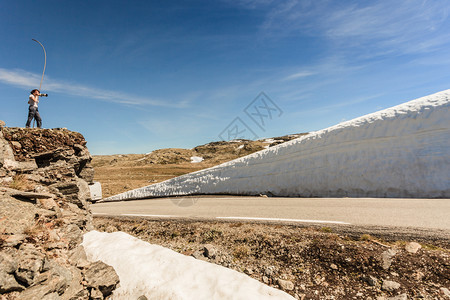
45	62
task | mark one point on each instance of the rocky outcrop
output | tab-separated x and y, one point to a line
44	212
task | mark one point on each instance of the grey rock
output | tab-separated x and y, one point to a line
87	174
17	215
56	280
75	290
6	152
70	190
444	291
399	297
285	285
51	296
198	255
102	277
413	247
371	280
73	234
142	298
78	257
7	263
16	144
28	195
49	204
8	283
387	257
269	271
248	271
390	286
23	166
29	266
96	294
84	193
15	239
209	251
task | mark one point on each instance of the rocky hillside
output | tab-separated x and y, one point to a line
44	212
119	173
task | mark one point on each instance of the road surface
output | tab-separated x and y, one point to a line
412	213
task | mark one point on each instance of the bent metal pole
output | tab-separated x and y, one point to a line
43	71
45	62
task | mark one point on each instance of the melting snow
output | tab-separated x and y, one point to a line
160	273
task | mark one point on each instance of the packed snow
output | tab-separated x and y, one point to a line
196	159
270	141
160	273
403	151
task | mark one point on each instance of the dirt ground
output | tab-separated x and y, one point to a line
306	262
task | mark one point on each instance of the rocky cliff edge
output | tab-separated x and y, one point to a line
44	212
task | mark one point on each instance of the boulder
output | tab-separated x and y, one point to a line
101	277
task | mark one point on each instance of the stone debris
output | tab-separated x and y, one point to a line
399	297
390	285
445	292
285	285
370	280
209	251
387	257
413	247
44	212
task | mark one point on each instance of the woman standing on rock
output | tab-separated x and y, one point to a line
33	108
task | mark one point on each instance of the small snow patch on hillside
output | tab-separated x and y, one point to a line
196	159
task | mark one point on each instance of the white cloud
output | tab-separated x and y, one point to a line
333	107
298	75
19	78
414	26
24	79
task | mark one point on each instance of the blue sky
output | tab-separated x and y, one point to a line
135	76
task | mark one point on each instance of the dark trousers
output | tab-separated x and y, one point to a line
33	112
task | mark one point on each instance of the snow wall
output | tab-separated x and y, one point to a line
403	151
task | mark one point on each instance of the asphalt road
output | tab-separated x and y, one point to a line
433	214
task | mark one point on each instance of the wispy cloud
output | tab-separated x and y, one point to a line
381	27
333	107
400	27
28	80
298	75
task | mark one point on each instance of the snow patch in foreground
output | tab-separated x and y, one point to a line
160	273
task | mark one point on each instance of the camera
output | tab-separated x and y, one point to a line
43	95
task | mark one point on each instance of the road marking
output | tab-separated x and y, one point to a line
284	220
236	218
139	215
145	215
